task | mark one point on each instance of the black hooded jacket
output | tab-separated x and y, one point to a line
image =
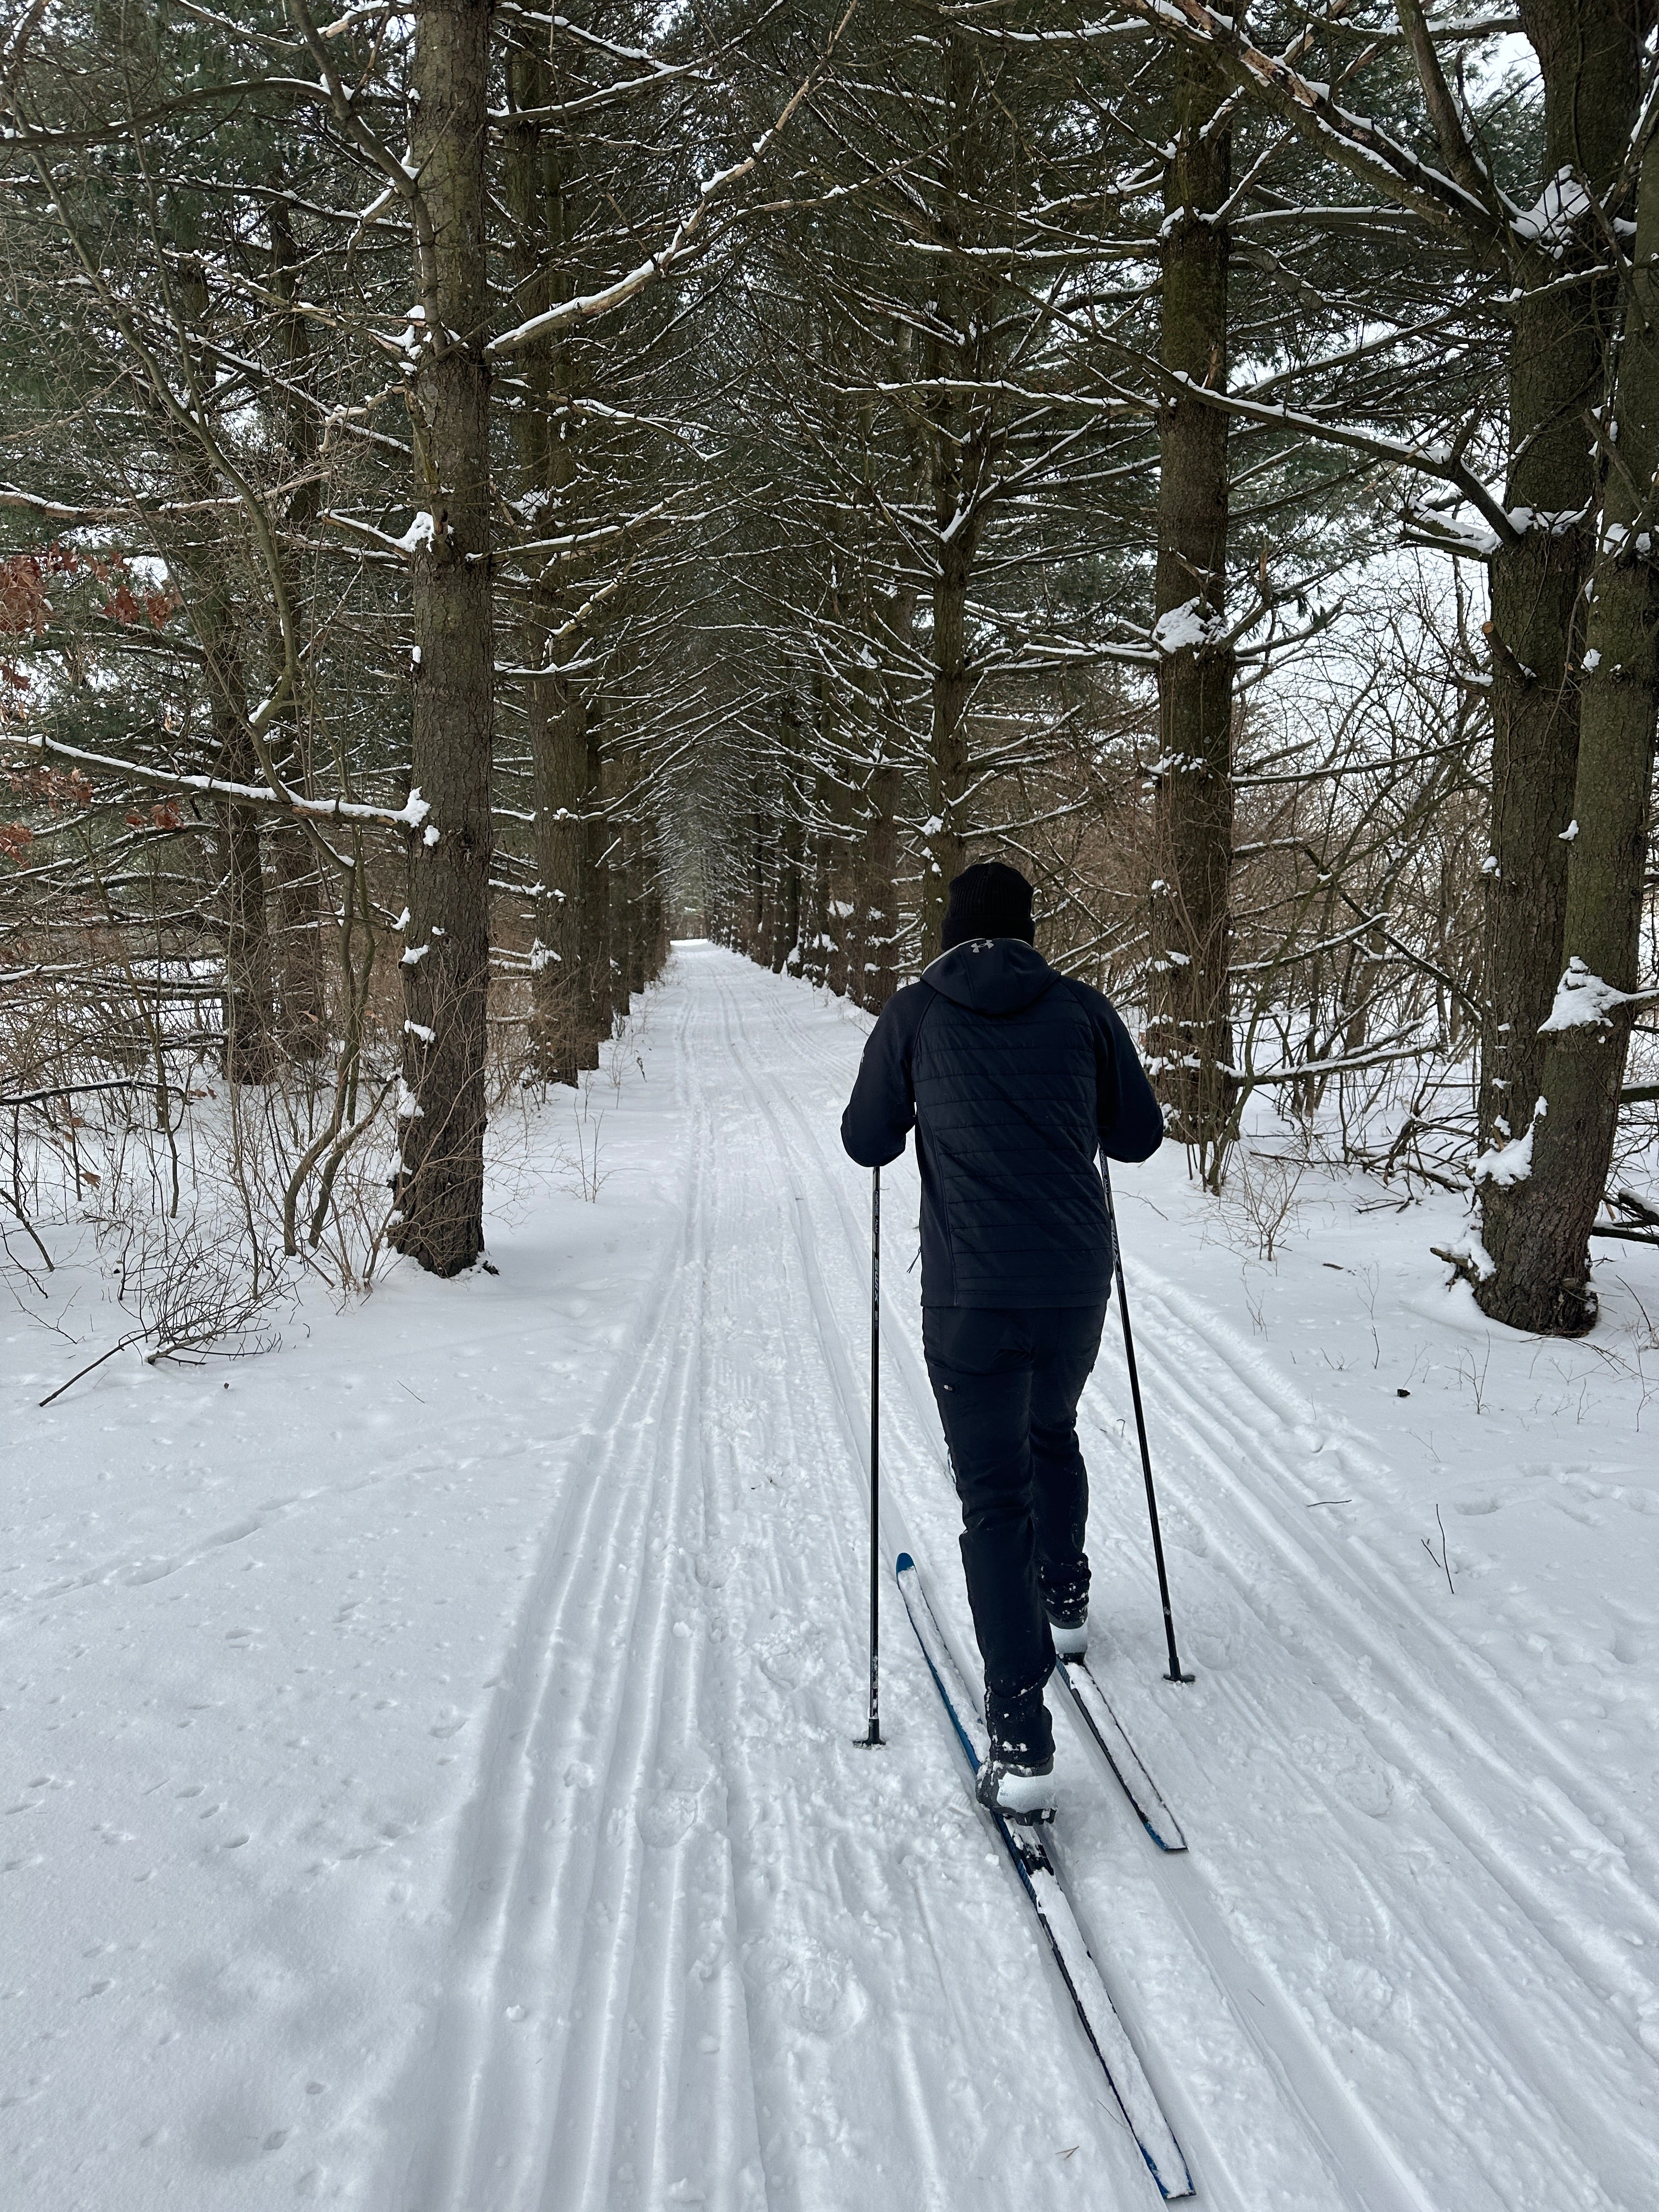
1011	1075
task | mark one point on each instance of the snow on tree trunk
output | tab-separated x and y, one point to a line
1541	1280
446	956
1588	58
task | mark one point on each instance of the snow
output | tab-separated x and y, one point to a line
1552	217
1584	1000
432	1779
1507	1164
420	532
1182	626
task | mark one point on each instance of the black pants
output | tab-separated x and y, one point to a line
1007	1384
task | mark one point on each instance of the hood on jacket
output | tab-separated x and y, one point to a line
991	975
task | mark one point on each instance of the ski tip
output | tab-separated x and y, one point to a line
903	1563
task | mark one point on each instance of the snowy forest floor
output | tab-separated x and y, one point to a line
430	1783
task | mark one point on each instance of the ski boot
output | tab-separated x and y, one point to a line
1017	1779
1069	1627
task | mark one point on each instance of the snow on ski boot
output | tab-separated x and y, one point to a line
1017	1779
1069	1627
1020	1789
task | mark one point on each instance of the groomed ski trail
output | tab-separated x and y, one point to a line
1413	2044
701	1949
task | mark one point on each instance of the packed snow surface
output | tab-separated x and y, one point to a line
431	1782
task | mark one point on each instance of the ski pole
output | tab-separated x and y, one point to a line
874	1735
1175	1673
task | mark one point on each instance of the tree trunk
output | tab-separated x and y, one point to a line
817	927
247	999
536	191
627	920
447	960
943	844
1190	1034
1548	1209
878	975
558	777
785	935
841	886
597	998
956	352
787	953
302	892
1588	56
238	845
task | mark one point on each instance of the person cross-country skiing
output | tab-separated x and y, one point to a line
1013	1077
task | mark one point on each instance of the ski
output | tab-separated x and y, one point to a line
1094	1708
1026	1848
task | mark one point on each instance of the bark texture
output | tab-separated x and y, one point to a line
1189	1033
1547	1214
597	997
446	959
539	192
1589	57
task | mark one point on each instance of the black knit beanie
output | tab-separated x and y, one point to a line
988	900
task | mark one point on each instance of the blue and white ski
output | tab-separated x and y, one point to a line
1095	1710
1023	1843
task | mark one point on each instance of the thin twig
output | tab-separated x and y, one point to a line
1443	1561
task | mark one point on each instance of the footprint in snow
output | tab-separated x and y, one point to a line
666	1817
791	1656
1347	1768
818	1985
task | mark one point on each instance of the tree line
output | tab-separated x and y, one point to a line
488	487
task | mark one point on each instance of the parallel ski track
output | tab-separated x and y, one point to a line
820	1321
597	2045
1363	2170
1218	1436
847	1873
513	2102
1542	1931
